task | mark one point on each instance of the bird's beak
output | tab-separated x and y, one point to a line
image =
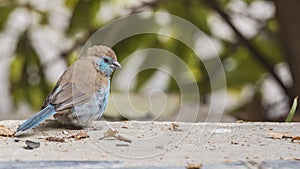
115	65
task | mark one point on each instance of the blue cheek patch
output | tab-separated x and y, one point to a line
105	66
102	65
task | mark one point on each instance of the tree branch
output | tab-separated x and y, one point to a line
255	52
143	5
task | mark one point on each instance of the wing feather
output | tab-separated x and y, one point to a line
76	86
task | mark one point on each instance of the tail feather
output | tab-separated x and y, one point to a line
37	118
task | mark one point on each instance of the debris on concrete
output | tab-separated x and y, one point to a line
296	139
55	139
194	166
80	135
31	144
114	133
6	132
174	127
280	135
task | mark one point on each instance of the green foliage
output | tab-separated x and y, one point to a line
270	47
71	4
28	83
197	12
27	77
44	18
245	70
84	15
292	111
4	14
172	45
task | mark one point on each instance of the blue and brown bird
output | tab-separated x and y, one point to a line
81	93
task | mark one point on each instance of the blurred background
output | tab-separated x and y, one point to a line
257	41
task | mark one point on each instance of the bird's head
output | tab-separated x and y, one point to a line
104	58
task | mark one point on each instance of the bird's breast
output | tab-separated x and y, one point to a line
102	96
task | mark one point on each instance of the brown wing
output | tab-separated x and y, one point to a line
76	86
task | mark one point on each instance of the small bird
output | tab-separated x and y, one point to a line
81	93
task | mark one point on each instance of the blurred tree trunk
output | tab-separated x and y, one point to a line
288	16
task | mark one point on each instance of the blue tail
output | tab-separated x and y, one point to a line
37	118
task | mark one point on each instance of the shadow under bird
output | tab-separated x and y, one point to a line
81	93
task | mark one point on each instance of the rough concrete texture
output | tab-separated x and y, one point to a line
157	143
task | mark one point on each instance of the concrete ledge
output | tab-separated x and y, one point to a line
104	164
157	144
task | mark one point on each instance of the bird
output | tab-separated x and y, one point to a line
81	93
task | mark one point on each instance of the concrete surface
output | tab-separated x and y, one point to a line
159	144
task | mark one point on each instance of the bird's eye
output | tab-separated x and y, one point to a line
105	60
